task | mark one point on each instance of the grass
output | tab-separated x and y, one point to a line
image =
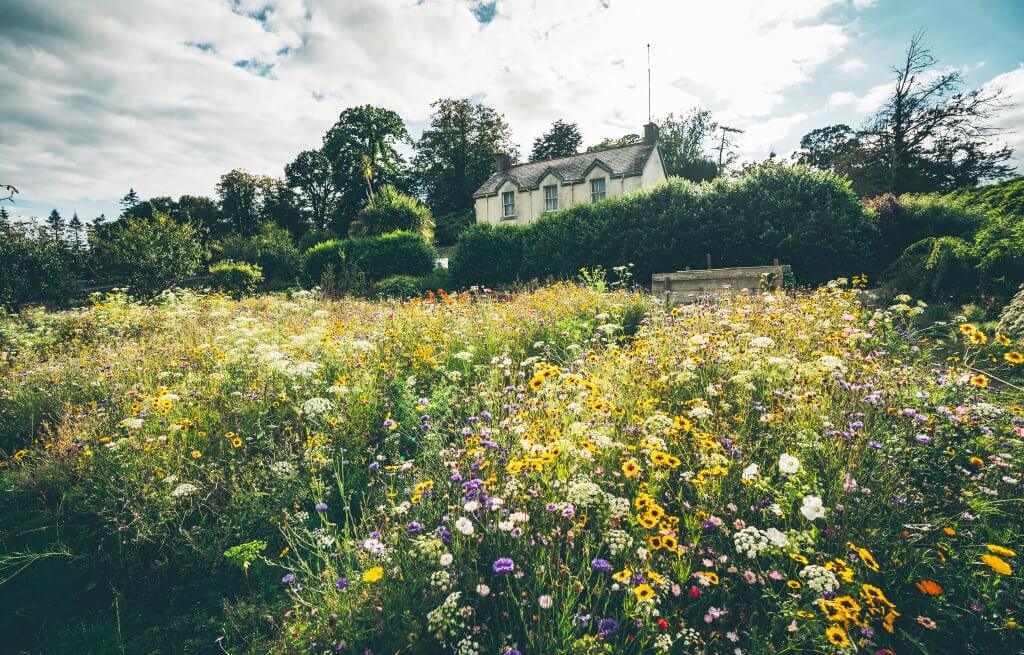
561	470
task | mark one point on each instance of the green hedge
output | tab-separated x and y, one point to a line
236	278
272	250
809	219
398	253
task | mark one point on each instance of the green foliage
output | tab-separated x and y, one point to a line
152	254
456	152
35	268
934	267
322	258
313	237
362	148
805	218
397	253
236	278
561	140
389	211
450	226
399	286
243	555
1005	198
488	255
271	249
904	220
311	173
683	142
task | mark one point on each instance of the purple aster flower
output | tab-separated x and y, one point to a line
414	527
288	578
503	565
607	628
602	565
923	439
341	583
320	507
374	467
874	443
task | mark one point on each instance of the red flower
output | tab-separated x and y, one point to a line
694	592
663	624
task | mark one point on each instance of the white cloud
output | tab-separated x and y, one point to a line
852	65
165	95
1011	119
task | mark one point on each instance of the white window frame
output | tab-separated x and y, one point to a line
508	209
598	195
551	203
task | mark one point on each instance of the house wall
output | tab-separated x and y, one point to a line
530	203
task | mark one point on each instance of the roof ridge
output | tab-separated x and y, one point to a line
585	152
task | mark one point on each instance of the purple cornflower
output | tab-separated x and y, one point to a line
607	628
288	578
503	565
374	467
341	583
602	565
320	507
414	527
876	444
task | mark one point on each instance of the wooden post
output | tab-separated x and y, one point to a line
709	261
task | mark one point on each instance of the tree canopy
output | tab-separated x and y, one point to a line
561	140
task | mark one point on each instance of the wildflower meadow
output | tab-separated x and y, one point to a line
570	469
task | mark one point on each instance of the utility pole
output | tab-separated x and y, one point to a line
721	146
648	82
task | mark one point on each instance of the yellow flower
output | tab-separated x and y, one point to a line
644	592
630	468
837	637
20	455
797	557
793	584
1002	339
623	575
236	442
1014	357
980	380
868	559
966	329
374	574
1000	550
196	454
997	564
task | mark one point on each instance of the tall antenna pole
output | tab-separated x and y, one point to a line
648	82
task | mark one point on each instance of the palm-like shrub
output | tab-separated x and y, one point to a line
390	210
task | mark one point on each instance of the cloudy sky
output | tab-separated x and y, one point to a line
166	95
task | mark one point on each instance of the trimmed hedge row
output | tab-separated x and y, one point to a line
397	253
809	219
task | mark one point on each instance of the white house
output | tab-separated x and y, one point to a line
521	194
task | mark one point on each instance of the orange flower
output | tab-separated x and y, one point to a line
929	587
997	564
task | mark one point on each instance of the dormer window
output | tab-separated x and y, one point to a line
597	189
551	197
508	204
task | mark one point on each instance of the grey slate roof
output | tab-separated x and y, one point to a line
623	161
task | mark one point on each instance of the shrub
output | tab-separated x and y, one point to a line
236	278
805	218
389	211
399	286
904	220
152	254
397	253
487	255
313	237
935	267
35	269
999	249
321	258
272	250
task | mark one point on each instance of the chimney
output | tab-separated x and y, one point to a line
502	162
651	133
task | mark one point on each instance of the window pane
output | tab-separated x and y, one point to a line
597	189
550	198
508	202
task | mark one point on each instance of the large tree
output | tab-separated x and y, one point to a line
362	148
75	231
311	173
241	201
608	142
683	142
56	224
561	140
928	136
456	153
